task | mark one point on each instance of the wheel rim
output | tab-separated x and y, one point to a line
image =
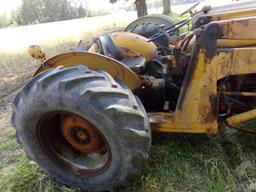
73	143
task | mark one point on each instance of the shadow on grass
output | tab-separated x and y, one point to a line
181	162
177	162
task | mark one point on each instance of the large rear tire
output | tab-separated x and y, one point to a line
149	25
116	115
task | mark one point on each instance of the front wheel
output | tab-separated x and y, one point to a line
82	127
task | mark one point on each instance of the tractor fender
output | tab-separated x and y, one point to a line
133	42
94	61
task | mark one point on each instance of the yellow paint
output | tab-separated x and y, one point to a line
235	120
36	52
239	29
136	43
196	112
246	94
126	52
197	108
232	14
227	43
94	61
172	60
133	42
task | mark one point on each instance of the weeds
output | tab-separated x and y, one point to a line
176	163
27	177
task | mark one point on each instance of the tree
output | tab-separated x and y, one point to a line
4	20
28	13
141	7
81	11
41	11
167	7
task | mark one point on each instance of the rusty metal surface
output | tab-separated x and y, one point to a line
81	134
233	14
197	108
235	120
94	61
223	48
227	43
234	6
65	154
239	28
202	19
229	15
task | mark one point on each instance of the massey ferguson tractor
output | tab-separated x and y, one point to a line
86	116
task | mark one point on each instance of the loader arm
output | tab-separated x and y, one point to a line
202	19
197	107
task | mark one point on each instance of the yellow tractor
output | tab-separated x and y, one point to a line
86	116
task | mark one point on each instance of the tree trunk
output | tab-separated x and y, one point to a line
167	7
141	8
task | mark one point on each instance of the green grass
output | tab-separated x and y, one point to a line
10	144
177	18
26	176
178	162
186	163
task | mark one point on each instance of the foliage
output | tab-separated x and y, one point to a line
167	7
42	11
27	177
4	20
97	13
143	5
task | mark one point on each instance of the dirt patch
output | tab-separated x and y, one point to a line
9	85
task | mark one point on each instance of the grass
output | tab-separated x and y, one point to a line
54	38
177	18
13	62
30	179
19	62
177	162
186	163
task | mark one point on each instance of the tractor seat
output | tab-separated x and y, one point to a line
108	48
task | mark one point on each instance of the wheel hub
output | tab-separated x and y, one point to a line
81	134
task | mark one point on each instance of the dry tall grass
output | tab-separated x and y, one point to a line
54	38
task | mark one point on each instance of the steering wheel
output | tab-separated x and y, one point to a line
189	9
